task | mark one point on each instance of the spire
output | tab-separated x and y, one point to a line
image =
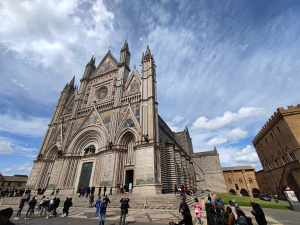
148	52
147	55
125	47
72	82
91	62
215	150
186	128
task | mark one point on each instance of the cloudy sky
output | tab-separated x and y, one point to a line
223	67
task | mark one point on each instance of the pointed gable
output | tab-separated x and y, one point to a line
92	120
106	117
133	84
107	64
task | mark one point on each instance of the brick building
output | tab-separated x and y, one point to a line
241	180
278	147
108	132
13	182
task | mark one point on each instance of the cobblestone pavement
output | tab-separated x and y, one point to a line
86	216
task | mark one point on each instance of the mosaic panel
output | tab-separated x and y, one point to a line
77	125
136	111
69	109
106	66
129	122
106	117
93	120
133	87
65	127
122	112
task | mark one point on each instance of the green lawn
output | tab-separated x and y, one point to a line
245	201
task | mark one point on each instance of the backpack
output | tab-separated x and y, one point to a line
249	220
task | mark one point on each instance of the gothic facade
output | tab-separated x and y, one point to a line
108	132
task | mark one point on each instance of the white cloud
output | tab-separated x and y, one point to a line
24	167
227	118
29	126
237	134
216	141
247	155
17	169
177	119
5	148
17	83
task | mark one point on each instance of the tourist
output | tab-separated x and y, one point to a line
99	192
50	208
67	204
187	218
176	190
210	213
98	202
5	215
82	192
258	213
21	205
88	191
209	199
104	190
41	203
31	206
218	200
241	217
102	212
219	217
223	211
110	191
231	218
232	206
198	208
124	209
106	200
45	206
55	206
183	204
91	201
93	190
57	191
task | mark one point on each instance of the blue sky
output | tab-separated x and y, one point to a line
223	67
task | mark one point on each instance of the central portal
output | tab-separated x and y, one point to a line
85	175
129	179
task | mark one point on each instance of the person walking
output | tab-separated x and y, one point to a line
110	191
98	202
258	213
102	212
104	190
88	191
93	190
198	208
50	208
55	206
176	189
210	213
183	204
45	205
187	218
91	201
31	206
21	205
67	204
124	209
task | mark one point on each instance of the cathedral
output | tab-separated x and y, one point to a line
108	133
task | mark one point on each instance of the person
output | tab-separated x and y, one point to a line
31	206
53	191
82	192
45	205
88	191
50	208
176	190
104	190
183	204
98	202
57	191
55	206
91	200
67	204
5	215
241	217
210	213
219	216
235	203
124	209
110	191
107	200
21	205
187	218
198	208
258	213
99	193
93	190
102	212
218	200
223	211
231	218
232	206
209	199
41	203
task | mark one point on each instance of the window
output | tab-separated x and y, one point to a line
19	184
270	166
261	145
266	140
278	129
8	183
276	162
272	136
229	181
240	180
293	156
250	181
284	160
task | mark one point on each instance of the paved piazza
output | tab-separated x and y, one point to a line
85	216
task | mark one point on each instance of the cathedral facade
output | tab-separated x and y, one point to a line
108	132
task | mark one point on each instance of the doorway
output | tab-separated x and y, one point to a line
128	179
85	175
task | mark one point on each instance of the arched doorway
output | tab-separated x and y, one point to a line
255	192
244	193
232	192
292	183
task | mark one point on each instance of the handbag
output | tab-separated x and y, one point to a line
196	211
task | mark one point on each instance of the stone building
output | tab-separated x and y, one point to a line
13	182
278	147
108	132
241	180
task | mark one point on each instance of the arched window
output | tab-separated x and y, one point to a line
229	181
130	152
